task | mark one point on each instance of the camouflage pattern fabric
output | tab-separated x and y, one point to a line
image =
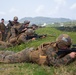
13	41
2	29
15	29
54	59
0	36
5	44
21	56
8	35
21	38
16	38
45	54
13	38
3	54
12	29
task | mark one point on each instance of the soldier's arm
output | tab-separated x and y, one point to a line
55	61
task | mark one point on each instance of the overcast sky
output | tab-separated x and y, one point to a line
33	8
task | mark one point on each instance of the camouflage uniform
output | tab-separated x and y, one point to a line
14	33
5	44
43	55
19	32
20	38
2	29
16	37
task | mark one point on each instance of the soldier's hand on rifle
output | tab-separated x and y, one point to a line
33	39
24	29
72	54
2	30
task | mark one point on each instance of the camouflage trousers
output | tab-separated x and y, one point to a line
11	57
13	41
5	44
0	36
18	39
26	55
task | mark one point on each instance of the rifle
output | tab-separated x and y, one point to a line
22	28
35	36
64	52
10	23
38	36
29	27
74	45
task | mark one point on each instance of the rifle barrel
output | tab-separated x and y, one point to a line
74	45
65	51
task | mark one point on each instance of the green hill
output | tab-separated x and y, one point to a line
42	20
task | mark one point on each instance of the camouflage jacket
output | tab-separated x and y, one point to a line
53	59
46	54
15	28
2	27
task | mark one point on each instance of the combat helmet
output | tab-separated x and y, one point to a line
64	39
26	22
15	18
2	19
30	32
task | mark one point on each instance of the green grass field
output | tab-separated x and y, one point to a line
34	69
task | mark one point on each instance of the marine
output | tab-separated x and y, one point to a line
17	34
2	30
45	54
11	26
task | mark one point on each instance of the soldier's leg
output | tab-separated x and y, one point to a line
0	36
13	34
6	52
22	38
3	36
13	41
8	36
3	54
22	56
5	44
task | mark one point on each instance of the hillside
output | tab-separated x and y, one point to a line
42	20
34	69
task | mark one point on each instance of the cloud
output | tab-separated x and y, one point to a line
73	6
58	7
12	10
44	11
60	2
54	11
2	13
40	9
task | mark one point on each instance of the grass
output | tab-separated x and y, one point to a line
34	69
